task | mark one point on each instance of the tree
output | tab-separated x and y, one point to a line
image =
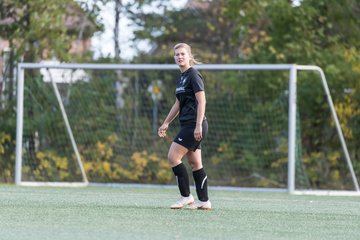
118	6
33	26
204	25
38	30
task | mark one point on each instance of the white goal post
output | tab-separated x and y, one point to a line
291	68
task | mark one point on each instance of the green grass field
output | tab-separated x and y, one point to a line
143	213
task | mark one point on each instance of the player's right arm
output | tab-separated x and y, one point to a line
174	111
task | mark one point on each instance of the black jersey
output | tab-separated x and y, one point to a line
189	83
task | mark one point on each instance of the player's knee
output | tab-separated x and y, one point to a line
173	160
195	165
192	165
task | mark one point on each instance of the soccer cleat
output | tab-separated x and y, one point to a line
201	205
182	202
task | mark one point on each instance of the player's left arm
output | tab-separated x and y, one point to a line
200	97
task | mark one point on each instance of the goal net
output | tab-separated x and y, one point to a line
97	123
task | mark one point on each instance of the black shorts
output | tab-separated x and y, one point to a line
185	137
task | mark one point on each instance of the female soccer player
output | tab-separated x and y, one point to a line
190	106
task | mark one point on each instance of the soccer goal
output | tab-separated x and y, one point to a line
81	124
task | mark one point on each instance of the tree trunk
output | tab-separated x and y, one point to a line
118	6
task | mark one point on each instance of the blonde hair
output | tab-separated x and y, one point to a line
193	60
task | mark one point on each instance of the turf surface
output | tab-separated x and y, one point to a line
143	213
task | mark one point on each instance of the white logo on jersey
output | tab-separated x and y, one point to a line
180	89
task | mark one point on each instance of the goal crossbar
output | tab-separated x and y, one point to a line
292	68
